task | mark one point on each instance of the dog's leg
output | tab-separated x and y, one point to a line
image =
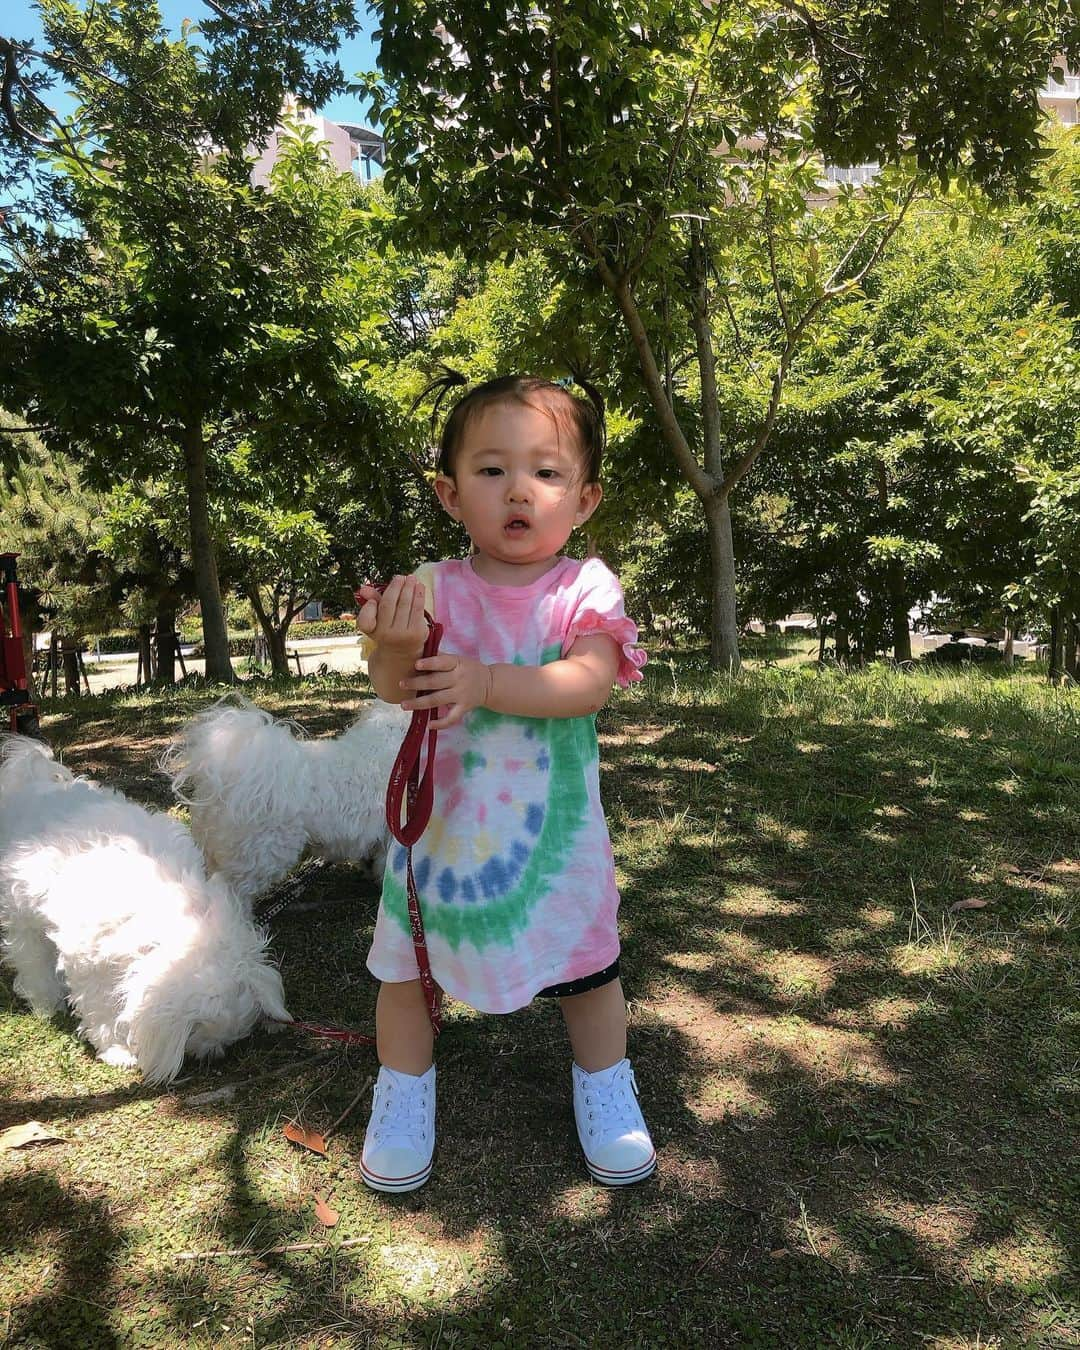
34	958
118	1056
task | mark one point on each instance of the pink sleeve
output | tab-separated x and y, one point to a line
599	608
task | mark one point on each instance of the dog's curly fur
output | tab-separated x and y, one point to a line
260	794
108	906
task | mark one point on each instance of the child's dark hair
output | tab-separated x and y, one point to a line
584	416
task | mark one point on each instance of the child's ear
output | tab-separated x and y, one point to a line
591	496
447	493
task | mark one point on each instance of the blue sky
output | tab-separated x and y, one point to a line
20	20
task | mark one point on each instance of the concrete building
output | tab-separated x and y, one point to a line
353	148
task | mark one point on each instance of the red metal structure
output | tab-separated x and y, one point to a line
14	687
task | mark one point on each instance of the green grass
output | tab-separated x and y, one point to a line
863	1100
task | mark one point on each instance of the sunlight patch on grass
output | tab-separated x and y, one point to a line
756	902
417	1270
780	831
877	916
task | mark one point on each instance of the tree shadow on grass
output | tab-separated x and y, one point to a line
858	1095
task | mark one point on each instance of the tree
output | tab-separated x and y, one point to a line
656	144
172	312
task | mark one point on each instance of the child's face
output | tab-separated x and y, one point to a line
515	462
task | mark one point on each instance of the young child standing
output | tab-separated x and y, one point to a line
515	871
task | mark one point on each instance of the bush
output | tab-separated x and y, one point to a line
109	644
238	646
323	628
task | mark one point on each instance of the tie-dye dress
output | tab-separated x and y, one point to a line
515	872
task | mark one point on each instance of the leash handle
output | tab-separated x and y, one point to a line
418	795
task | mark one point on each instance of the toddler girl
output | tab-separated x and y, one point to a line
515	871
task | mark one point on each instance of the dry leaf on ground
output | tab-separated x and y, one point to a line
969	904
325	1215
310	1139
33	1132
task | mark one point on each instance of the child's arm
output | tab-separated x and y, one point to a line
574	686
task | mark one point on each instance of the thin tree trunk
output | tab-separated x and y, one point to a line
898	610
165	645
1007	653
1055	645
274	633
146	663
1072	634
723	629
70	655
203	561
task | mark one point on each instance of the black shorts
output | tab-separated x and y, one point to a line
582	986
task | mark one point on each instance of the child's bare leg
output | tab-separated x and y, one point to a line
596	1025
403	1035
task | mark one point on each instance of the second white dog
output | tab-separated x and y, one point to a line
260	795
107	906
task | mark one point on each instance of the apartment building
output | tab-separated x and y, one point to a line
353	148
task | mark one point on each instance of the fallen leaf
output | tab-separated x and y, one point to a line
780	1251
325	1215
969	904
33	1132
311	1139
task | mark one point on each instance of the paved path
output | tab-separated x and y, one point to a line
340	654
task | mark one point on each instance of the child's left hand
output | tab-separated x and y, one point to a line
457	683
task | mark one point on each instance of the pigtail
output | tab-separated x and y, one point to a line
579	373
449	379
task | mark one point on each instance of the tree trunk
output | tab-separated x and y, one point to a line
203	561
898	610
146	659
1055	645
279	662
1072	634
1007	653
165	645
69	652
724	631
275	633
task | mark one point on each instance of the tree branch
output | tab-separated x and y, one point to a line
635	264
742	465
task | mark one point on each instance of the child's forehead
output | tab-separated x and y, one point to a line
513	425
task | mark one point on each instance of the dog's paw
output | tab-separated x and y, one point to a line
118	1057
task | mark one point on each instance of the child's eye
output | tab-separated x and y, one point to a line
551	473
491	468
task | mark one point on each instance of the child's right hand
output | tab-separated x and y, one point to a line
395	619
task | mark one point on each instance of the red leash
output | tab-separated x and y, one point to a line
417	793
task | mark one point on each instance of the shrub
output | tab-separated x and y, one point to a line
323	628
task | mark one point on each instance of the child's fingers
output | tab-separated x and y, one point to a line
452	718
368	617
443	661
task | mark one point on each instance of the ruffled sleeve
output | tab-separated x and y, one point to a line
426	573
599	608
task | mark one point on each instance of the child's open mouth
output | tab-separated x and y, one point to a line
516	526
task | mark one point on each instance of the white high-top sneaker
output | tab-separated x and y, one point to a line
613	1133
400	1140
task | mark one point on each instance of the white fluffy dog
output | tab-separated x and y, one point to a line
107	905
260	794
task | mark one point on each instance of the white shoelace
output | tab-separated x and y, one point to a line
613	1109
400	1113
